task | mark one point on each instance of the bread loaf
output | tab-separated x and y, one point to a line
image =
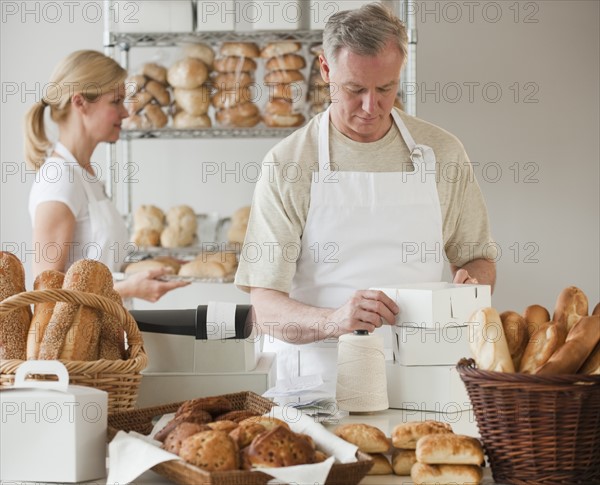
183	217
235	64
42	312
280	447
227	259
240	115
135	103
488	342
542	345
244	434
176	237
134	84
279	49
369	439
286	62
596	310
146	237
155	71
112	333
240	49
535	316
592	365
213	451
200	51
406	435
187	73
193	101
381	465
403	461
74	330
174	439
423	474
449	449
149	217
14	326
571	305
159	92
157	117
228	99
283	121
232	80
580	342
517	336
282	76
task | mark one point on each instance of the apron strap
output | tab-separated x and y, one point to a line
408	139
68	156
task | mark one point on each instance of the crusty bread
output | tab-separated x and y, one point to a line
145	265
535	316
213	451
237	415
176	237
159	92
14	326
155	71
227	258
234	64
112	333
280	447
286	62
596	310
201	269
198	417
406	435
214	405
571	305
240	49
174	439
449	449
149	217
157	117
224	425
488	341
402	461
515	331
279	49
74	330
146	237
542	345
185	121
381	465
269	422
193	101
592	365
580	342
245	433
369	439
283	77
188	73
42	312
201	51
423	474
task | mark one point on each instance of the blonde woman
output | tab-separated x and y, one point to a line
72	217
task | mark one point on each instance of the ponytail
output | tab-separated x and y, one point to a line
36	140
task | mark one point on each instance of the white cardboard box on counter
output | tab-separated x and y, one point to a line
51	431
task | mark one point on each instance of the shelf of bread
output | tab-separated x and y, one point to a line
172	133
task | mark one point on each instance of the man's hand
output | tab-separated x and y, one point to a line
462	277
365	310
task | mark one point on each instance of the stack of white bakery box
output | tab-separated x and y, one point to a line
430	336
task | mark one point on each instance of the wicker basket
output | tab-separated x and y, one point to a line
537	430
120	378
140	420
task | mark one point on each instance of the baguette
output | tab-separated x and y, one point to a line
423	474
592	365
488	341
535	316
571	305
517	335
112	334
74	330
578	346
42	312
449	449
14	326
403	461
542	345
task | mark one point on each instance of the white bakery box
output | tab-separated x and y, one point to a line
149	16
430	336
210	350
51	431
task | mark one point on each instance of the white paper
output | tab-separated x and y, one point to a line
220	320
294	385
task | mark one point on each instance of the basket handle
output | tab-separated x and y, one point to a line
134	336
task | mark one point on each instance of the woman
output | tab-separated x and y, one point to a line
72	217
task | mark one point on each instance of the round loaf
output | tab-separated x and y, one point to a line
283	120
174	439
157	117
517	336
542	345
286	62
449	449
225	425
244	115
155	71
193	101
381	465
149	217
227	81
235	64
406	435
240	49
146	237
188	73
230	98
402	461
159	91
369	439
198	417
244	434
280	76
135	103
227	259
423	474
488	343
535	316
183	217
200	51
169	261
571	305
112	333
280	447
134	84
274	49
175	237
186	121
214	405
213	451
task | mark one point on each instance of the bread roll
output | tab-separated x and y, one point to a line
175	237
144	265
240	49
150	217
290	91
187	73
535	316
423	474
74	330
280	447
42	312
542	345
244	115
571	305
578	346
169	261
279	106
201	269
592	365
14	326
159	92
155	71
368	438
184	217
244	434
157	117
146	237
136	122
449	449
228	99
286	62
134	84
381	465
226	258
402	461
279	49
284	121
232	80
515	331
213	451
281	76
224	425
406	435
488	342
235	64
193	101
112	333
174	439
135	103
200	51
186	121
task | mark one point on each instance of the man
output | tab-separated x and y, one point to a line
362	196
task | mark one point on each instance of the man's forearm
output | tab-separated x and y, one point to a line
483	270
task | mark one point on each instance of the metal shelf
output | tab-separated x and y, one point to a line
206	133
126	40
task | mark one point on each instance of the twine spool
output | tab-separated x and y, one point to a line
361	380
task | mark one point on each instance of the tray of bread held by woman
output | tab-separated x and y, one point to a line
535	388
221	439
78	318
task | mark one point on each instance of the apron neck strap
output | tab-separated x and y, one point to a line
64	152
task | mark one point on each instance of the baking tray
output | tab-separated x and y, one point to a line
140	420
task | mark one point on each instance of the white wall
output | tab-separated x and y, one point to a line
537	156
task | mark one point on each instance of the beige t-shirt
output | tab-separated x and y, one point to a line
282	197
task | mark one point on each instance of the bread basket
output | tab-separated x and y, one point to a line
537	430
120	378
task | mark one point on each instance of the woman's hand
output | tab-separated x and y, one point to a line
144	285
